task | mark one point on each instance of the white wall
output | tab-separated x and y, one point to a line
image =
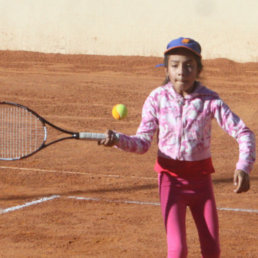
225	28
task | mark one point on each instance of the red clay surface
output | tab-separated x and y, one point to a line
77	92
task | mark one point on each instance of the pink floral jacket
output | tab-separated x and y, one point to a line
183	125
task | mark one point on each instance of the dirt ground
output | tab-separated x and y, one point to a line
78	199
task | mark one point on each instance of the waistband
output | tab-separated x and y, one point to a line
182	168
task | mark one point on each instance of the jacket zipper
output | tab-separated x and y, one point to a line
180	131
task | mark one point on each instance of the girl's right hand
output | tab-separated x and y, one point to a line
110	140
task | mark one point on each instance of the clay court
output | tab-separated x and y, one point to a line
78	199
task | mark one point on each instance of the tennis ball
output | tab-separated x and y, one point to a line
119	111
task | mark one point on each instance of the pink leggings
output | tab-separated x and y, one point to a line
197	193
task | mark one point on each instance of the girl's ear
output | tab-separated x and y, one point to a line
166	72
166	76
199	72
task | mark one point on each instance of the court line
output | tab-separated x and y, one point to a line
237	209
150	203
27	204
114	201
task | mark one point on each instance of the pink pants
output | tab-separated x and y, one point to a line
197	193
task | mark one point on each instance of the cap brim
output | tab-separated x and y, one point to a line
159	65
191	50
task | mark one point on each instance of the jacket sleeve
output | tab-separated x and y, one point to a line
235	127
141	142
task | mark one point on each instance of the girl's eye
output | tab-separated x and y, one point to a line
189	66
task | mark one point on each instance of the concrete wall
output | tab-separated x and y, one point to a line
225	28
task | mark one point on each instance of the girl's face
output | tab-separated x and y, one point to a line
182	71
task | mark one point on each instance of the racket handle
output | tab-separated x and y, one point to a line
92	136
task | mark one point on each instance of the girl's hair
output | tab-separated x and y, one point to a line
198	60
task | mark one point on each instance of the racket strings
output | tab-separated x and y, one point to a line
21	132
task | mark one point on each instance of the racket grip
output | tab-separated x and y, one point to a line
92	136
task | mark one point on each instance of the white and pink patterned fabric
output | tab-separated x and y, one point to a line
183	126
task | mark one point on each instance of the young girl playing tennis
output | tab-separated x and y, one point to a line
180	111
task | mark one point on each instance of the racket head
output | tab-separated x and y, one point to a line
22	131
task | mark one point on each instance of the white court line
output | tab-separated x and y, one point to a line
150	203
237	209
114	201
27	204
76	173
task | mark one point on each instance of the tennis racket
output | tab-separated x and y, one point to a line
23	132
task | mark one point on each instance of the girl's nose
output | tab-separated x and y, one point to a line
180	70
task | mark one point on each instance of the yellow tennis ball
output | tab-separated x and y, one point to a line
119	111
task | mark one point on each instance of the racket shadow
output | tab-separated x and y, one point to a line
80	192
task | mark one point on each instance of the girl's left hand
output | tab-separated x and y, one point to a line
242	181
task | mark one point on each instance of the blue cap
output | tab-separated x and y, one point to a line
187	43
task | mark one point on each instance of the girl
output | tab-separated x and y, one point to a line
180	111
